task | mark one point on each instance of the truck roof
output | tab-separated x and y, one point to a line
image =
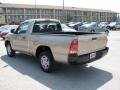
42	19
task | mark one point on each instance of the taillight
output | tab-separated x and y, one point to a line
74	47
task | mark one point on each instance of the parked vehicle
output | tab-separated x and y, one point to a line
65	28
7	30
93	27
44	39
114	25
70	23
2	28
85	23
103	24
76	25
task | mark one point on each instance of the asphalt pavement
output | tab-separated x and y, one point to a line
22	72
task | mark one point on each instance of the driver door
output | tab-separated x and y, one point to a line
20	39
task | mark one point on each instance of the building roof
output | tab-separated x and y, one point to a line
8	5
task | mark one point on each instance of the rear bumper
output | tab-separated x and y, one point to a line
86	58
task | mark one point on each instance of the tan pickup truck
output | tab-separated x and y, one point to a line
44	39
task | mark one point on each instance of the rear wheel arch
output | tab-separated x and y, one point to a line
46	59
41	49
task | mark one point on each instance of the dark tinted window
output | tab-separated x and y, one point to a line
46	26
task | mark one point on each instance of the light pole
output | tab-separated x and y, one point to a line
63	12
63	5
35	9
35	4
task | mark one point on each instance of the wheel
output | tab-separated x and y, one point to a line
10	51
108	27
106	32
92	31
114	28
3	38
46	61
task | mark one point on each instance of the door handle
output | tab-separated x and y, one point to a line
94	38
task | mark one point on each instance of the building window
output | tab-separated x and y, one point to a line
85	13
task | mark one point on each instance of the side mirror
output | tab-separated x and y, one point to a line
13	31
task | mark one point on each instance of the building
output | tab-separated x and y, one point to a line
20	12
2	17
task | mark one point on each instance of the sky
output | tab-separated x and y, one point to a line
113	5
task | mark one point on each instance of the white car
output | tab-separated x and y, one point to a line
67	29
93	27
114	25
4	30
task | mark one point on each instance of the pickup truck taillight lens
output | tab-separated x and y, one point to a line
74	47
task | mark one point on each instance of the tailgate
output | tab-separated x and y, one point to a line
91	42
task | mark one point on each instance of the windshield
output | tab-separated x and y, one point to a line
89	24
75	24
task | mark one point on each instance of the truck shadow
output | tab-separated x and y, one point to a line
66	78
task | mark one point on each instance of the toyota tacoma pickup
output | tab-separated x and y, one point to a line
44	39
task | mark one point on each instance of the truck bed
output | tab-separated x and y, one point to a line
88	42
68	33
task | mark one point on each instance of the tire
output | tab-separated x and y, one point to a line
10	51
106	32
92	31
114	28
46	61
108	27
3	38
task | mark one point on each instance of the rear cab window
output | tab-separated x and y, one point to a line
46	26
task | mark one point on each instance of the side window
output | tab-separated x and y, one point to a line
117	23
22	28
36	28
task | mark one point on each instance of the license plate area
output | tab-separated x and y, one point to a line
92	55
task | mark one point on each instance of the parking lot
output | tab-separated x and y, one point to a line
23	72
